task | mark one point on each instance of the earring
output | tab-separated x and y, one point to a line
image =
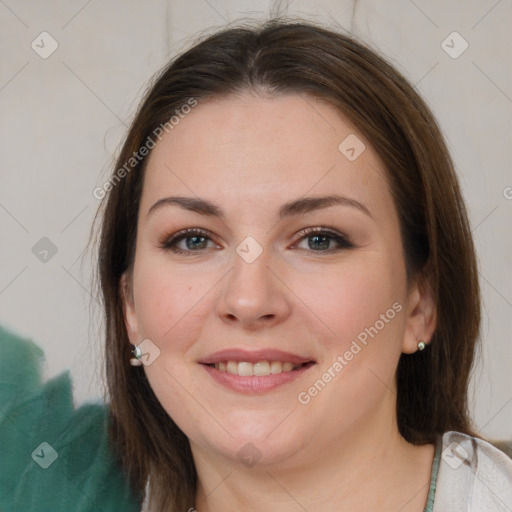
137	353
421	345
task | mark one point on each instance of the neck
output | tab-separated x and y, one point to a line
364	470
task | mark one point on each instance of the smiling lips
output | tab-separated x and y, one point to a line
254	371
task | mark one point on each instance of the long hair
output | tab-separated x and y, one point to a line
282	57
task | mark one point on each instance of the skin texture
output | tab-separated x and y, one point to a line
249	155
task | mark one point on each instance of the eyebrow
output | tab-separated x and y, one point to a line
289	209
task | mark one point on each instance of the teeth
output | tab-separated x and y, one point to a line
276	367
259	369
245	369
287	367
231	367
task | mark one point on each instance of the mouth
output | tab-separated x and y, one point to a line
252	372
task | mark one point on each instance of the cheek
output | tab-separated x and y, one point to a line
169	308
166	304
364	311
355	300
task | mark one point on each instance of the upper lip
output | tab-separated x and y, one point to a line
254	356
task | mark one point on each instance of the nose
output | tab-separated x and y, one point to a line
253	295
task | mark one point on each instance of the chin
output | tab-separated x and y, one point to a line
259	452
262	443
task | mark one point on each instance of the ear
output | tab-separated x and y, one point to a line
130	319
421	316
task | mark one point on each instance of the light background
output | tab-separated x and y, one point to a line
63	118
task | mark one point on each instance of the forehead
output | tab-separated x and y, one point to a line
262	151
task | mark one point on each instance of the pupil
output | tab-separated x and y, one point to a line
194	245
324	239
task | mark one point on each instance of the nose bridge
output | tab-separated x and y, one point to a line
252	294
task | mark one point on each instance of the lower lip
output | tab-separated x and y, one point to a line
253	384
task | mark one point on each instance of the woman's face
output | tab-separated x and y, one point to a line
276	323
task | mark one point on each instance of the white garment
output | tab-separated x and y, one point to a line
473	476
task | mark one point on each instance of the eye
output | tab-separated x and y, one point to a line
187	241
321	240
195	240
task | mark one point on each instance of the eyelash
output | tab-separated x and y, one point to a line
170	243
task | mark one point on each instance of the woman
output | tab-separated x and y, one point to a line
286	250
291	298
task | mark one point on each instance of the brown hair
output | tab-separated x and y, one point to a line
290	57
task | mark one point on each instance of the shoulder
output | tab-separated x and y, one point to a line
54	456
472	475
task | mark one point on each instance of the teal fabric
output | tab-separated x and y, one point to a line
433	478
75	470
